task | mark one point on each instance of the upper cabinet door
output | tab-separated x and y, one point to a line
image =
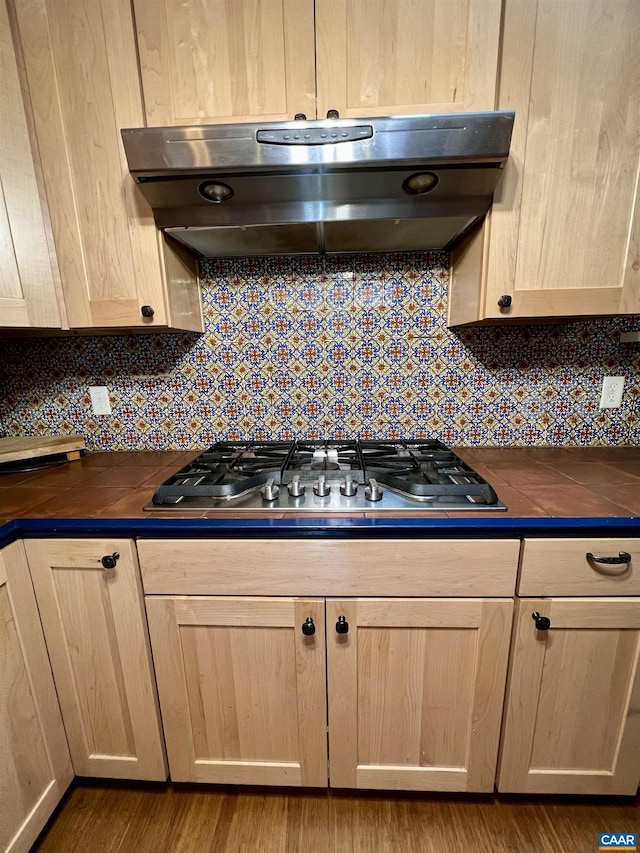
565	228
384	57
81	65
27	286
209	61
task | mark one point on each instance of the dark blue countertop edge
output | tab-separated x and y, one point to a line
204	528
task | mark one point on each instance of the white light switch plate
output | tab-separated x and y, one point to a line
100	400
612	387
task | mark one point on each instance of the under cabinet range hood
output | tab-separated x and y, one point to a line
391	184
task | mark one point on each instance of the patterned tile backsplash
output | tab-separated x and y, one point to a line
328	347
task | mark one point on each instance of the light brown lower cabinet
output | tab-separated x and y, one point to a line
572	723
415	690
92	612
242	689
35	767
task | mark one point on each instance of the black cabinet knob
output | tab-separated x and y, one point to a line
300	117
333	114
308	629
505	301
109	560
147	311
342	626
543	623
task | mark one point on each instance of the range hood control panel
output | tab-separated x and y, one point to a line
314	135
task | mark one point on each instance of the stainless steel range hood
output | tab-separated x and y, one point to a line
347	185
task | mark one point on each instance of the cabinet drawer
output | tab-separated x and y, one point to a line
319	567
563	567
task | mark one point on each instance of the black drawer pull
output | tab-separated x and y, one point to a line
308	628
623	559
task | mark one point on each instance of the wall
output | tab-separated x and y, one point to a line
330	348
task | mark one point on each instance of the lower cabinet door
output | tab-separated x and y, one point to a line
92	611
35	768
416	688
242	688
572	723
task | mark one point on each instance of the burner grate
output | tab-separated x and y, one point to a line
421	474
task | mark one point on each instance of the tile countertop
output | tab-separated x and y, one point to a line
588	488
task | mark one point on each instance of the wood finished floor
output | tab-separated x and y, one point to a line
127	818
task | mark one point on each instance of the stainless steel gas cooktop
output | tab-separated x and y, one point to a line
323	477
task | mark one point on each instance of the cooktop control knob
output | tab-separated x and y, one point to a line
295	487
348	488
270	491
321	488
373	492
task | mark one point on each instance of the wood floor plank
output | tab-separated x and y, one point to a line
202	822
309	817
93	817
99	817
259	823
166	818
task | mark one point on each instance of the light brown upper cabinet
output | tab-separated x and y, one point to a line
208	61
116	269
27	284
377	58
246	60
563	236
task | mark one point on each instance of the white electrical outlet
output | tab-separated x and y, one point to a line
611	396
100	400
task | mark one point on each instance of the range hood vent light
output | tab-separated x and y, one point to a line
215	191
420	183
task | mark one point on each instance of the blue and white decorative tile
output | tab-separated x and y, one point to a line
368	293
339	294
328	347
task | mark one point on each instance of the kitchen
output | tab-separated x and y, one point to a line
330	347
